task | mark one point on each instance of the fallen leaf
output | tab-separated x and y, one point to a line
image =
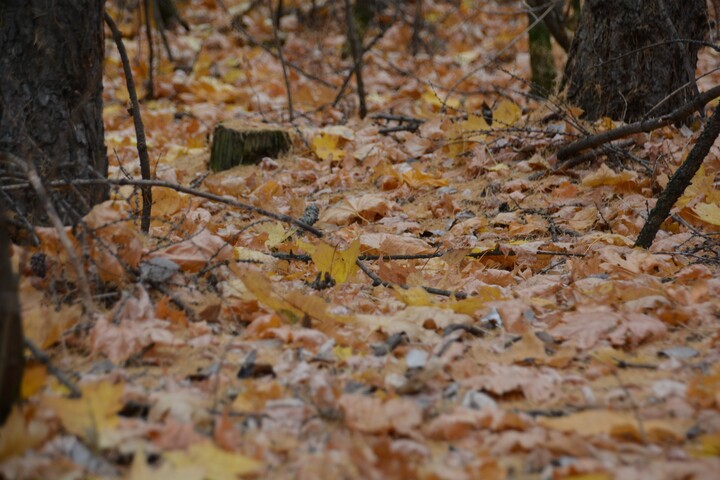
367	208
93	416
194	253
217	464
619	425
341	264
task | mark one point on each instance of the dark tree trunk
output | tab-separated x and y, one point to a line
11	333
634	57
51	54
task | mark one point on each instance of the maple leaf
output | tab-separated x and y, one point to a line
327	144
390	244
194	253
216	463
93	416
708	213
340	264
367	208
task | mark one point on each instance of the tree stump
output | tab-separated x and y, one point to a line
633	57
238	142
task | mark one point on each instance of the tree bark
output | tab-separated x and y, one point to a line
11	334
542	64
51	56
633	57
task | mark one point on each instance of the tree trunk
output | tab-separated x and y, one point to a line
631	58
542	64
11	333
51	55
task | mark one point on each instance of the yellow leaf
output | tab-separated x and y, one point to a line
277	233
475	123
708	213
218	464
341	264
463	135
472	304
589	476
326	146
141	471
700	187
314	307
606	123
342	353
708	445
92	416
166	201
263	289
414	296
431	98
42	323
506	113
34	377
294	304
415	179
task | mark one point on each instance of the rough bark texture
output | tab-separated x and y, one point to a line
51	56
631	57
11	333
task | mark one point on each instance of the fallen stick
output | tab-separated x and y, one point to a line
648	125
679	181
178	188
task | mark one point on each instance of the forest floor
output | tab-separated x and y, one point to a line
469	312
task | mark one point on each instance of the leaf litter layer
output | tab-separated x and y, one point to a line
225	344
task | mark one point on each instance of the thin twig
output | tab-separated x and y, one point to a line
139	128
377	281
178	188
82	281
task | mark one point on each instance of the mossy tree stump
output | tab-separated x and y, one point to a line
239	142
